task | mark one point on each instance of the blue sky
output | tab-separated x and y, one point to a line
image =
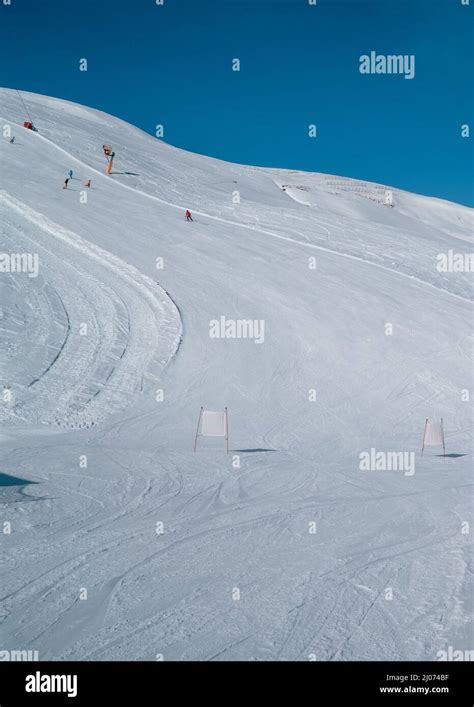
171	65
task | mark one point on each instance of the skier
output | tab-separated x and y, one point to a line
12	140
66	181
70	173
188	215
88	184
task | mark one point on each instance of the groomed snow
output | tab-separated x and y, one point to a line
330	562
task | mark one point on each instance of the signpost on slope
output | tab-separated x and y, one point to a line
433	435
212	424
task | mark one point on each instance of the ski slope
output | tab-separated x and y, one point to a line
126	545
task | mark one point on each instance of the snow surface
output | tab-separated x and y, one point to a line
303	594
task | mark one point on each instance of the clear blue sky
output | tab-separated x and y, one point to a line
171	64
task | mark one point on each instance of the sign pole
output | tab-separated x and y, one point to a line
424	433
197	429
226	431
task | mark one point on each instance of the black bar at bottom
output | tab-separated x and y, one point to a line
87	683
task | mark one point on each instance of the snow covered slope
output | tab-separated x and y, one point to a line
107	358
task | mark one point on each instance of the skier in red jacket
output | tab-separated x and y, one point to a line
188	215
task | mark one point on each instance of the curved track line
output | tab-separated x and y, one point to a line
155	294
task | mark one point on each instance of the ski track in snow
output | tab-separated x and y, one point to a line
109	370
302	595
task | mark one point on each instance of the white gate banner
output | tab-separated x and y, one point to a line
433	434
213	424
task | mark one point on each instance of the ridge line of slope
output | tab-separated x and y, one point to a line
252	167
412	278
